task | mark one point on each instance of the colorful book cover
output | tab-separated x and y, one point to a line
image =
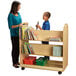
26	35
31	49
35	38
26	50
23	32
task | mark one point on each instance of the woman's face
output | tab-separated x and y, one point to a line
19	6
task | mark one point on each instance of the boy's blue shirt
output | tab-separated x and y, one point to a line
14	20
46	25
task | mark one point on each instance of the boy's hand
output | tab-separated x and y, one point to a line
37	26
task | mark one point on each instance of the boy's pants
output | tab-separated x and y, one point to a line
45	42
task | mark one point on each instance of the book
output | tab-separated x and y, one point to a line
26	50
31	49
55	39
23	51
25	35
57	51
34	36
23	32
28	33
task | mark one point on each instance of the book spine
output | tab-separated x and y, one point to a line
34	36
26	50
31	38
23	50
32	51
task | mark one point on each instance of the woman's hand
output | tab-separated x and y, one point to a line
25	23
20	25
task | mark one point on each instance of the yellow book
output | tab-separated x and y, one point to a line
23	32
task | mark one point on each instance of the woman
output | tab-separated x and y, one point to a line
14	22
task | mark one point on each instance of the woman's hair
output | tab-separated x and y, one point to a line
14	7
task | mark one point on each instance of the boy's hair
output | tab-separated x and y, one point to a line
48	14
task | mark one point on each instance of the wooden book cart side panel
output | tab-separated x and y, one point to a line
65	46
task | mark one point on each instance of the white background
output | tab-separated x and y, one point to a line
62	11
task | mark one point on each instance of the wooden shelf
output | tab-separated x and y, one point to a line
40	40
51	65
43	49
47	55
50	42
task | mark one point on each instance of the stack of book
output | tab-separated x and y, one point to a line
27	49
55	39
29	34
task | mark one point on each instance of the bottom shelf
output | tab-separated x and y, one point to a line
51	65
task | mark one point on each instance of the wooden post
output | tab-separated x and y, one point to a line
65	46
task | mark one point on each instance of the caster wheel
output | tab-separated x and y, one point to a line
22	68
59	72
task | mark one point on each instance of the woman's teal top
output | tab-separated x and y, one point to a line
14	20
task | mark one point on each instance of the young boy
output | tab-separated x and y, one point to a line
46	26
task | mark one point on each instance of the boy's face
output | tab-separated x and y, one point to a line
45	18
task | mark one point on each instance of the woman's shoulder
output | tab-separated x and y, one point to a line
18	13
10	14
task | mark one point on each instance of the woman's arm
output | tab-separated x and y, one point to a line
10	22
14	26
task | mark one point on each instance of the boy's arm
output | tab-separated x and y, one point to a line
39	27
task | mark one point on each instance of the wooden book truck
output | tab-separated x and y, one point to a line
45	50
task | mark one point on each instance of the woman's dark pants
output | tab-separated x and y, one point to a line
15	49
